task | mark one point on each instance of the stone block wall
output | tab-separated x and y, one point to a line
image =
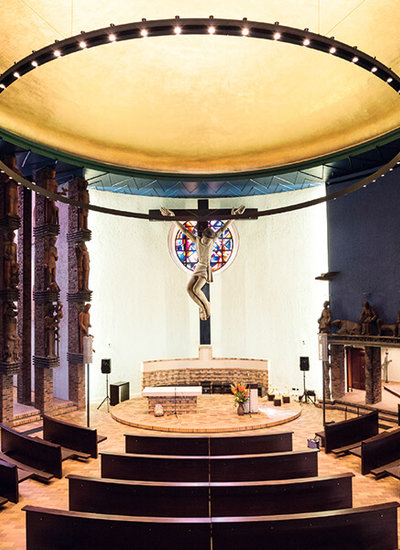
194	377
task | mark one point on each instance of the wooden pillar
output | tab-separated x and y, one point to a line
373	368
25	297
337	371
48	308
78	292
9	278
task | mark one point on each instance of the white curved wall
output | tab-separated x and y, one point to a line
264	306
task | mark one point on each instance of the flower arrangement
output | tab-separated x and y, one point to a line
240	393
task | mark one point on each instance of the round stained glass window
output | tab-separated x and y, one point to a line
184	250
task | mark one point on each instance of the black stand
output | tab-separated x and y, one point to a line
306	395
107	397
87	397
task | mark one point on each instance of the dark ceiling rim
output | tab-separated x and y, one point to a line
103	167
270	212
198	26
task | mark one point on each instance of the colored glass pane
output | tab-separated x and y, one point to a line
186	249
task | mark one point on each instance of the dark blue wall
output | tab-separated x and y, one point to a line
364	245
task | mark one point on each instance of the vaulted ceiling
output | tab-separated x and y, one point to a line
199	105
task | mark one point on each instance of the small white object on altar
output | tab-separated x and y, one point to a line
172	391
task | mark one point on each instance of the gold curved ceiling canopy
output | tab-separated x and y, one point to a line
199	104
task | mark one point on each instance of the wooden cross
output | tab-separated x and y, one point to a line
203	215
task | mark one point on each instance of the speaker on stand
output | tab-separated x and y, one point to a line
304	367
106	369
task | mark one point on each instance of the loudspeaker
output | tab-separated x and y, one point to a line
304	363
106	366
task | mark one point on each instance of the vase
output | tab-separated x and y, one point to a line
240	409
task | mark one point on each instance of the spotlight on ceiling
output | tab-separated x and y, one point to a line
177	30
389	80
34	64
144	33
82	44
57	53
374	69
277	35
355	59
16	75
245	31
306	42
2	86
211	30
332	49
112	37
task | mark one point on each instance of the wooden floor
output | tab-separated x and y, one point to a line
367	490
389	401
214	413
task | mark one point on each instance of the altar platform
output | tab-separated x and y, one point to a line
215	414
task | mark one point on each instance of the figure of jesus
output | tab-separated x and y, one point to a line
204	246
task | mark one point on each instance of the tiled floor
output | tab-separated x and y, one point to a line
367	490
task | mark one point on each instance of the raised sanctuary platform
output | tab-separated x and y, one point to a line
193	371
215	414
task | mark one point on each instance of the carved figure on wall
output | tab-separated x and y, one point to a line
202	273
11	188
51	185
83	196
50	331
11	266
346	327
324	322
11	352
50	263
367	319
58	315
387	330
84	325
83	265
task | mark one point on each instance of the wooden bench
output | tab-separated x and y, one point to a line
10	476
340	437
255	467
76	440
138	498
380	450
208	445
367	528
41	458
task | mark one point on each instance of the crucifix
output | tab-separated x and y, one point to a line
198	286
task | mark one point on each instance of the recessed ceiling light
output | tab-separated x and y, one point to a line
57	53
177	30
355	59
389	80
82	44
374	69
332	49
245	31
277	35
144	33
112	37
211	30
306	42
16	75
34	64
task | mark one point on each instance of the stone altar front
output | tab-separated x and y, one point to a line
174	399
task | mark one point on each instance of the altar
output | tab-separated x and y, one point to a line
173	399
